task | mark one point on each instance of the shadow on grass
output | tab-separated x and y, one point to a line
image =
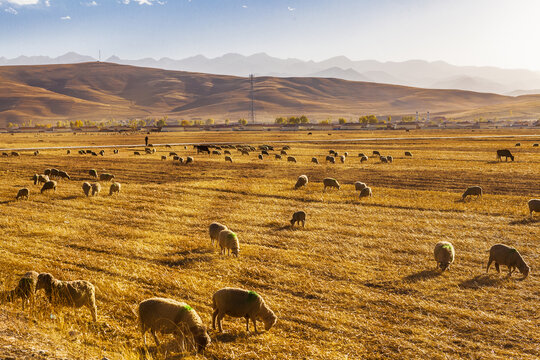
7	202
227	337
422	275
169	350
187	257
481	281
72	197
526	221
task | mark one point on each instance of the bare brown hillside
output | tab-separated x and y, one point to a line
103	90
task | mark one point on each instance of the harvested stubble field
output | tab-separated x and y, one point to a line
359	282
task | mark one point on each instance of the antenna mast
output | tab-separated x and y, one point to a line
252	96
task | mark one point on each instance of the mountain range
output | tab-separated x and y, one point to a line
416	73
100	90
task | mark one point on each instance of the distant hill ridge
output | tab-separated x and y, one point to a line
418	73
94	90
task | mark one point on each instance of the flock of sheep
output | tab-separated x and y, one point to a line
168	316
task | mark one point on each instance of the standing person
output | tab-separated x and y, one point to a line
146	140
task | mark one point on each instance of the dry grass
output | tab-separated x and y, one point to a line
358	282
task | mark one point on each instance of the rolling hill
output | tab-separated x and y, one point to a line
95	90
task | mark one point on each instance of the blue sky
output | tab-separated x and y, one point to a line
463	32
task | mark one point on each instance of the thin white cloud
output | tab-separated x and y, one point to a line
66	17
47	3
90	3
23	2
11	10
244	6
291	8
143	2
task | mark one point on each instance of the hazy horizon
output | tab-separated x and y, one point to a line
481	33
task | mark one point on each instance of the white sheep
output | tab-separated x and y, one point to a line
75	293
228	240
168	316
189	160
96	188
363	158
241	303
214	229
342	158
115	188
302	181
444	254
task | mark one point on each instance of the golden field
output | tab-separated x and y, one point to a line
359	282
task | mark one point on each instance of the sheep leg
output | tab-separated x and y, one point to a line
489	264
214	315
247	322
303	223
254	325
497	267
219	319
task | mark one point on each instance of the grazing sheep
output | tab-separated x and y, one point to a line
346	154
54	173
264	152
115	188
86	187
260	157
361	155
75	293
331	152
472	190
534	206
64	175
444	254
241	303
226	152
163	157
214	229
148	151
277	157
291	159
244	152
228	241
115	151
14	153
390	158
93	173
5	154
383	159
302	181
36	153
365	192
535	145
297	217
216	152
408	153
175	157
314	160
506	255
359	186
331	159
35	178
49	185
376	153
136	153
286	147
180	160
68	152
189	160
102	153
22	193
94	154
172	153
518	144
96	188
363	158
106	177
336	154
228	158
342	158
330	182
168	316
283	152
47	172
25	289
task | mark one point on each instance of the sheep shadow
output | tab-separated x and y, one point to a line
6	202
187	257
422	275
526	221
71	197
169	350
227	337
481	281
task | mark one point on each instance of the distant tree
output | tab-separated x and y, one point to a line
210	121
242	122
389	119
304	119
227	121
281	120
161	122
186	123
324	122
141	123
10	125
342	121
407	119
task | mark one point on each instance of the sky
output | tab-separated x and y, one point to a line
501	33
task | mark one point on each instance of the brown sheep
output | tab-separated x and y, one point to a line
86	188
25	289
302	181
93	173
365	192
444	254
241	303
291	159
214	229
115	188
505	255
228	241
314	160
106	177
228	158
330	182
96	188
299	216
49	185
534	206
359	186
472	190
